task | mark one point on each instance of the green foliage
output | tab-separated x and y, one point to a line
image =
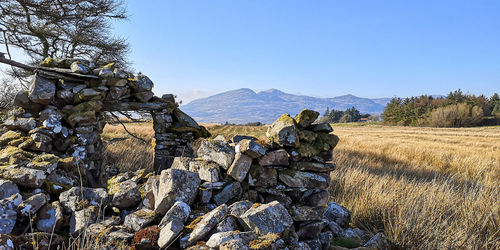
345	242
455	110
336	116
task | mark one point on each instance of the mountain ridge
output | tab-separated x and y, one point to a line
245	105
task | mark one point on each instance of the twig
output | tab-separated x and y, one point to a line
10	58
125	128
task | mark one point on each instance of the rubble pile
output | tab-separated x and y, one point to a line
245	193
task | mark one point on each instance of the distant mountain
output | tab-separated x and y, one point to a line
245	105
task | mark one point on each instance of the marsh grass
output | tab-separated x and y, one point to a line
426	188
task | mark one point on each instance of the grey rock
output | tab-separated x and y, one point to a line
283	131
179	211
169	233
355	233
315	198
25	124
219	238
240	167
237	138
42	143
306	117
250	148
299	179
92	196
31	205
239	208
208	171
322	127
205	195
234	245
81	219
181	163
326	239
310	230
207	223
8	214
141	83
175	185
267	218
41	90
306	213
26	177
217	151
231	191
50	218
259	176
213	185
139	219
336	230
144	96
378	241
312	166
275	158
229	223
7	189
338	214
125	195
184	119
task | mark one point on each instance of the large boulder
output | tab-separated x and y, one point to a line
283	131
217	151
306	117
175	185
267	218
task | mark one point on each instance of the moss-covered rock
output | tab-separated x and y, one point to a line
10	136
283	131
306	117
85	117
14	155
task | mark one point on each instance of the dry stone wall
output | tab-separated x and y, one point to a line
245	193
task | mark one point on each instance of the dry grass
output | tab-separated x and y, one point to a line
426	188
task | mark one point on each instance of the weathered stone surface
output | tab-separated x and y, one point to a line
270	241
8	212
336	230
240	167
356	234
26	177
139	219
322	127
218	238
175	185
283	131
10	136
50	218
217	151
310	230
31	205
315	198
306	117
267	218
79	67
307	136
306	213
72	199
125	194
14	155
237	138
231	191
7	189
229	223
312	166
169	233
338	214
207	223
181	163
19	123
378	241
45	162
41	90
82	218
250	148
301	179
275	158
144	96
234	245
141	83
239	208
179	211
89	94
208	171
205	195
259	176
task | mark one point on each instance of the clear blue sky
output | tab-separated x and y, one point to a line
367	48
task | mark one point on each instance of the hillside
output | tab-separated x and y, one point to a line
245	105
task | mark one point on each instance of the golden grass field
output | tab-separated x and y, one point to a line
426	188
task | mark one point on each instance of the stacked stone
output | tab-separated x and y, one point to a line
51	142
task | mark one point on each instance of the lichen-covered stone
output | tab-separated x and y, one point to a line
310	230
26	177
314	197
240	207
175	185
218	238
7	189
217	151
20	123
206	224
45	162
250	148
306	117
208	171
267	218
8	208
275	158
50	218
312	166
231	191
30	206
240	167
125	194
283	131
10	136
41	90
322	127
82	218
259	176
173	223
299	179
72	199
338	214
139	219
306	213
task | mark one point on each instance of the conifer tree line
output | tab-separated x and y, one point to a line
455	110
349	115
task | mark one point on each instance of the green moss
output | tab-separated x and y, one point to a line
264	242
345	242
88	106
15	155
306	117
10	136
48	62
55	189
